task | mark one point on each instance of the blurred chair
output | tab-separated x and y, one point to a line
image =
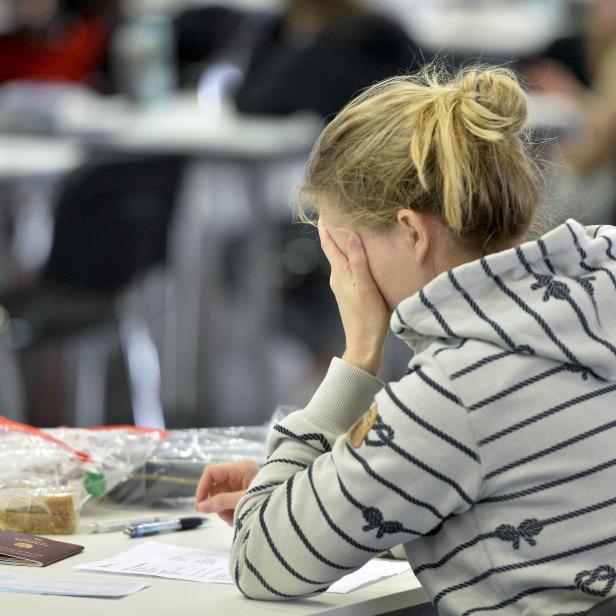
110	233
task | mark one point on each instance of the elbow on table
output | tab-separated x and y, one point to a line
246	578
247	581
253	585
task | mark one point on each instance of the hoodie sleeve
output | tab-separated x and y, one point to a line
343	484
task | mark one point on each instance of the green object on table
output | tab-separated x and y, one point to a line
95	484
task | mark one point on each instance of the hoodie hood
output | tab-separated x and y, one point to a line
554	298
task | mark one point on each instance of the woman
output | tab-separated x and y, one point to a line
491	460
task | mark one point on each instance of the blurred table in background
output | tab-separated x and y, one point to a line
24	157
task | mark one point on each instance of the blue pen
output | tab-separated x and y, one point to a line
155	528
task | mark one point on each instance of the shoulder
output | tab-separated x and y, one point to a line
427	384
425	407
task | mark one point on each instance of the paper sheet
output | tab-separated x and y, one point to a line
169	561
372	571
15	582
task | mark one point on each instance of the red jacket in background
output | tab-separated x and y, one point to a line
72	53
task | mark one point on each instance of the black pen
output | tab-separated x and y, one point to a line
156	528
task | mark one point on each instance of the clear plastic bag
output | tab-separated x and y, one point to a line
113	452
170	474
47	475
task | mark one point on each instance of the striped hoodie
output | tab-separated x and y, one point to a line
492	460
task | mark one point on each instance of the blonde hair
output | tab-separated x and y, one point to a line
451	147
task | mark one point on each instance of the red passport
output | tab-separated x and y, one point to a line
33	550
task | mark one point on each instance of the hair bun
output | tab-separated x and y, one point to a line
492	103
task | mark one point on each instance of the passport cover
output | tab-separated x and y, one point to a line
32	550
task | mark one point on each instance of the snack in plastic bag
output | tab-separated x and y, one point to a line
40	510
41	481
47	475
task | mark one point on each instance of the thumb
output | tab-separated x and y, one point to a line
220	502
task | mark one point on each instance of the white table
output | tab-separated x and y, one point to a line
165	597
186	125
27	157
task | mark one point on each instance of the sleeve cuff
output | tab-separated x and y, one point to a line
345	394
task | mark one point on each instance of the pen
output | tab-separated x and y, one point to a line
155	528
115	525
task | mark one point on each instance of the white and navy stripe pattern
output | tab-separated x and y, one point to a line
492	460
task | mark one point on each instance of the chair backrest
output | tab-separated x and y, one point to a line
112	219
605	608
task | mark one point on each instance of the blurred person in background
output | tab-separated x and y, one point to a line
319	54
57	40
582	68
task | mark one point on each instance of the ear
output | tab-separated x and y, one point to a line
418	231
